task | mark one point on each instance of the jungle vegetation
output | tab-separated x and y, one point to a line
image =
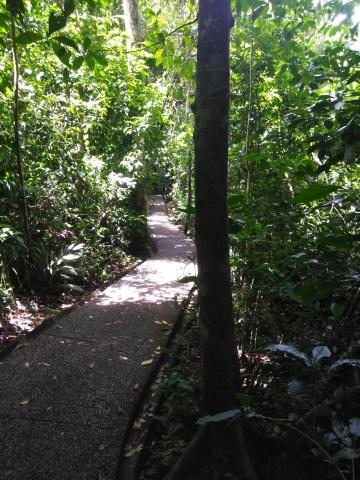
97	105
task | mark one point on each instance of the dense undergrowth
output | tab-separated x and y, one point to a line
99	123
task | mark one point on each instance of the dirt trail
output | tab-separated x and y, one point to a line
67	395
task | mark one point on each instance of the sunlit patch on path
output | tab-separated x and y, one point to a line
67	396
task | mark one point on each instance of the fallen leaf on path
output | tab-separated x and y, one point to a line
27	364
102	447
136	386
21	345
133	451
92	365
121	357
45	364
24	402
157	350
147	362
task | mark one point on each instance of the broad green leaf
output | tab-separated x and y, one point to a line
101	59
219	417
28	37
86	43
56	22
351	362
66	74
281	347
74	288
317	191
65	40
68	269
354	427
4	19
236	225
159	53
77	63
257	12
320	352
337	310
295	387
61	52
90	62
188	279
69	7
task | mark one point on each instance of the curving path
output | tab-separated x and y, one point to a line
67	396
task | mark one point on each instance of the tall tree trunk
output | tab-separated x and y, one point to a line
17	145
219	356
189	165
131	13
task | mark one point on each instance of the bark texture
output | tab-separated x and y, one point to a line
219	356
131	13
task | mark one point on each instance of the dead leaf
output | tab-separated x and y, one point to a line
121	357
136	386
92	365
27	364
46	364
24	402
137	424
133	451
147	362
157	350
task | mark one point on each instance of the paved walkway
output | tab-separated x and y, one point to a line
67	396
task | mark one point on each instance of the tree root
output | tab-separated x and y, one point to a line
206	436
190	456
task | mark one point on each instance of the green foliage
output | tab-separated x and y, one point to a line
91	128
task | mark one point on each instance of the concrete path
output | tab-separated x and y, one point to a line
67	396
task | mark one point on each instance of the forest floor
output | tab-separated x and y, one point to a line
70	391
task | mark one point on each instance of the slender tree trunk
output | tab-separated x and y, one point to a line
248	121
17	146
131	13
219	356
189	165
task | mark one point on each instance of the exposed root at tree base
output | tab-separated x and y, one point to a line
214	438
239	451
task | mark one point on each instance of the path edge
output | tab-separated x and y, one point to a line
128	468
23	339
